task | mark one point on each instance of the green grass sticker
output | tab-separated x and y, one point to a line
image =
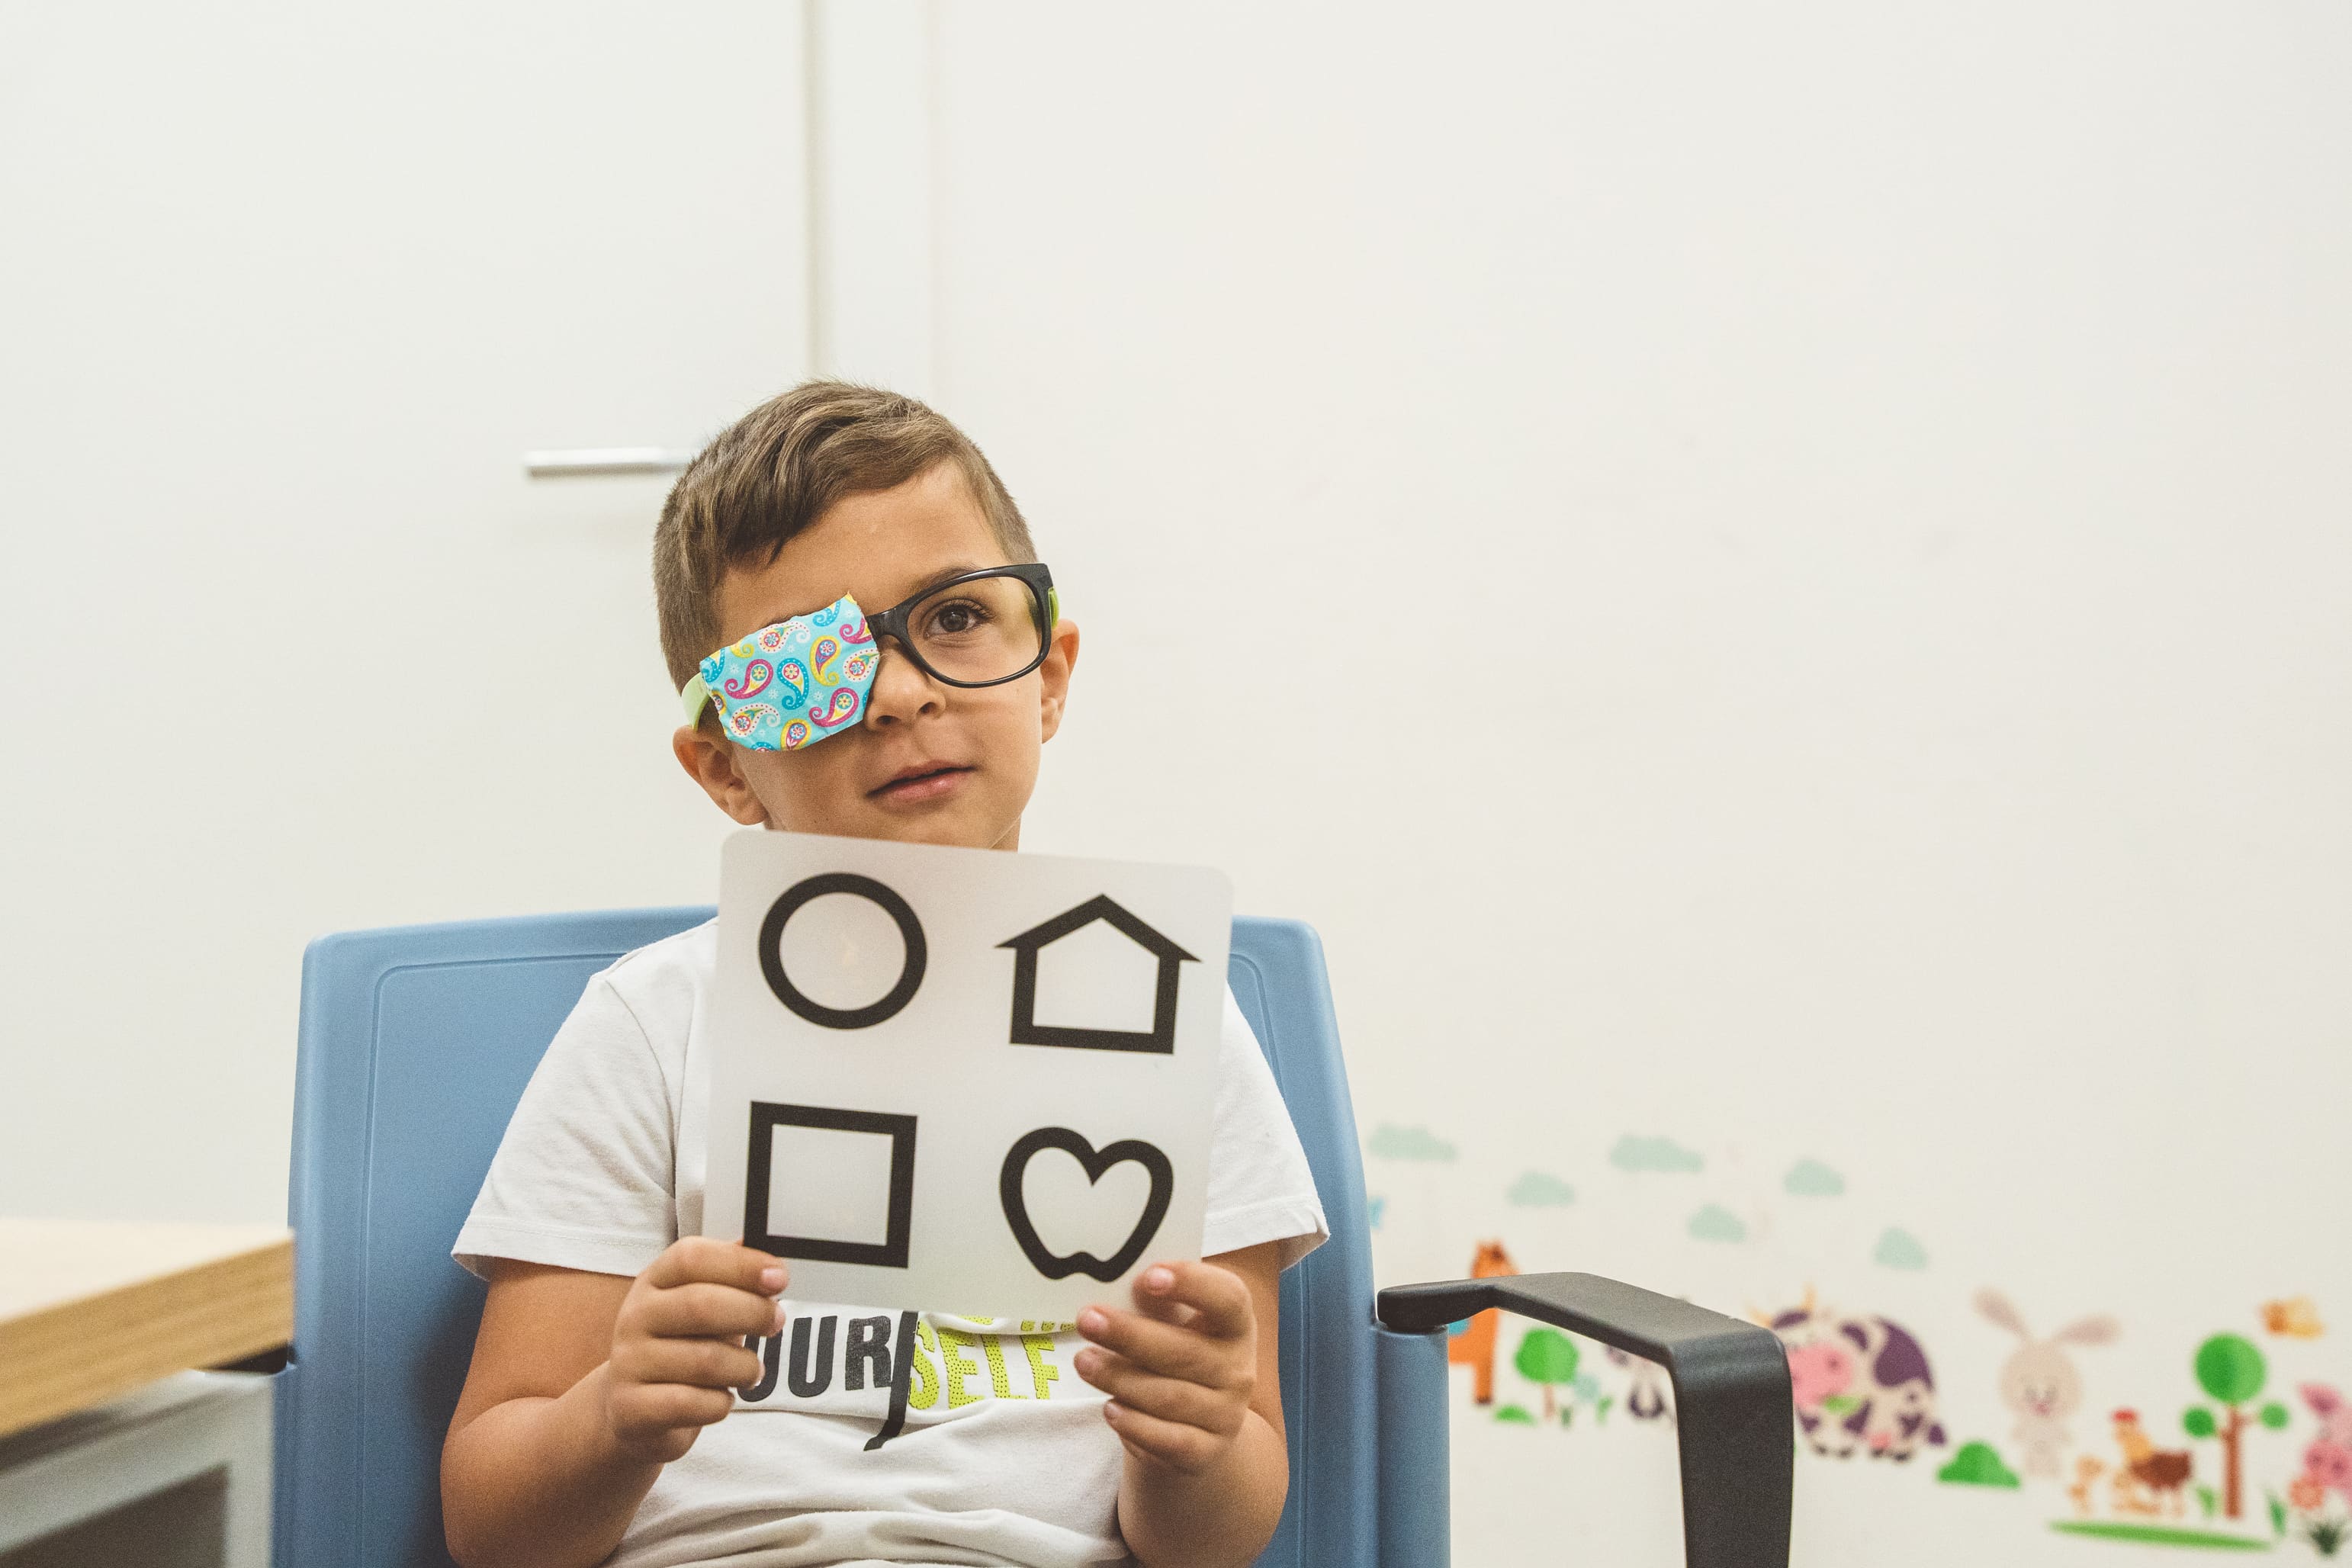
2161	1535
1976	1465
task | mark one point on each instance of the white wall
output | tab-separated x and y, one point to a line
288	643
1775	577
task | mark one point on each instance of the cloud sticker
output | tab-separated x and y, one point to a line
1716	1223
1538	1191
1390	1142
1374	1208
1900	1249
1633	1154
1812	1179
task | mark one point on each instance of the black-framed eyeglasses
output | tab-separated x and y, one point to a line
792	684
982	628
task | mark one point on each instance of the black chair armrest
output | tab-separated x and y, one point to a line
1733	1412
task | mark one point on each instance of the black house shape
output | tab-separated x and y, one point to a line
1026	1031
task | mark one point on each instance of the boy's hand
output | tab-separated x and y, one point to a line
677	1350
1181	1369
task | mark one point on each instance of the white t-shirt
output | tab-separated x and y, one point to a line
998	1454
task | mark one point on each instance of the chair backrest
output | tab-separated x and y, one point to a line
417	1043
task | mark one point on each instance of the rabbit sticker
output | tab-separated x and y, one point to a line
2039	1382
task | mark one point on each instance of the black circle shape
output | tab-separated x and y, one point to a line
772	961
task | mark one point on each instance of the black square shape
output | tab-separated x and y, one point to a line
888	1253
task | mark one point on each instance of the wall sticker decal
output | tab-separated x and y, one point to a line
1860	1383
1634	1153
2149	1479
1812	1179
2232	1372
1647	1386
1535	1189
1899	1249
1472	1344
1547	1359
2297	1317
2040	1383
2089	1450
1976	1465
1390	1142
2328	1462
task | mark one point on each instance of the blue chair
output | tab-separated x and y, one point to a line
417	1043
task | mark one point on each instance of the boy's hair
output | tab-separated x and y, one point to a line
774	472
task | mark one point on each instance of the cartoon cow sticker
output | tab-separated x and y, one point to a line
1860	1383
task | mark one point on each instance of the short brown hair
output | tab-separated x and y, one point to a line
774	472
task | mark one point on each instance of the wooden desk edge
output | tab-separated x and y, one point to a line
78	1353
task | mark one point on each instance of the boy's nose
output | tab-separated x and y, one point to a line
901	689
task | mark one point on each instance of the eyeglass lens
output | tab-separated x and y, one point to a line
982	630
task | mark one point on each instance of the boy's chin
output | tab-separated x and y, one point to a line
950	829
956	825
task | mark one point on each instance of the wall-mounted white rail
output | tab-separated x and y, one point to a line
589	461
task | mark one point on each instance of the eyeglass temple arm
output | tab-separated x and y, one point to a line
1733	1408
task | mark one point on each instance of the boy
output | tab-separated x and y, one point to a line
643	1396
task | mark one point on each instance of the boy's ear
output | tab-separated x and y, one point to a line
1061	654
711	762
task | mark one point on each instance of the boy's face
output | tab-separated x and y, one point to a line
928	763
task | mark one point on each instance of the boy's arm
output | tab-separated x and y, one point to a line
1196	1396
583	1387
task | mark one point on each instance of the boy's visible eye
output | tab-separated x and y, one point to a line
954	617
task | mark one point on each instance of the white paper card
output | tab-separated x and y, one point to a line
958	1079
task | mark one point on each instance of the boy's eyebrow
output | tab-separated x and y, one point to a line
944	575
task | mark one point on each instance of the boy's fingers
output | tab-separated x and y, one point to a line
705	1258
657	1406
1171	1350
1217	1294
695	1363
1172	1443
705	1311
1169	1398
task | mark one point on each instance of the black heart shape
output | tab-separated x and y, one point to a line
1053	1266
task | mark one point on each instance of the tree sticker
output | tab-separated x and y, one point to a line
1548	1357
2232	1372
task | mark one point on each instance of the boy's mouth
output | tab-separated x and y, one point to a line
921	782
